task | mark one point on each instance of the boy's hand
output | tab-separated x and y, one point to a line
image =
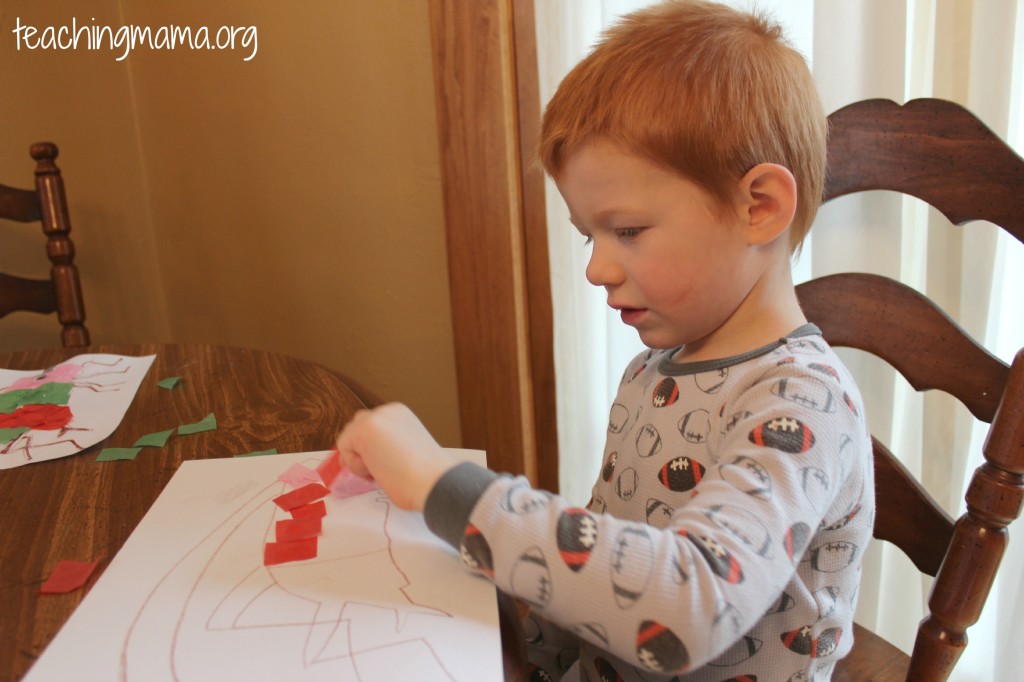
391	445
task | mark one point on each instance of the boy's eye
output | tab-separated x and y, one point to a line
628	232
588	241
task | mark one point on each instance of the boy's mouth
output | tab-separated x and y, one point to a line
631	316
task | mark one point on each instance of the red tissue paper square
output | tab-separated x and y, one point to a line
300	496
288	530
330	468
317	508
68	576
282	552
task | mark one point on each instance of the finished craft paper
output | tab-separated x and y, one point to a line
61	410
365	594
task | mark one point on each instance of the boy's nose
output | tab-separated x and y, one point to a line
602	270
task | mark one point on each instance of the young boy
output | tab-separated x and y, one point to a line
725	533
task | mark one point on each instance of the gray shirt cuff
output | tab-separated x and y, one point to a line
452	499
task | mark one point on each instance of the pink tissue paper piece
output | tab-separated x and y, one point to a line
298	475
347	484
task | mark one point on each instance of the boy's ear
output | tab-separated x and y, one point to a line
768	198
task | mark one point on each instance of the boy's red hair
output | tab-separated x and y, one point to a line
705	89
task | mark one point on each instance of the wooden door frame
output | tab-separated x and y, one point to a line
488	110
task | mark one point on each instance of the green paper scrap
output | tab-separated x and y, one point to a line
111	454
50	393
207	423
259	453
155	440
169	382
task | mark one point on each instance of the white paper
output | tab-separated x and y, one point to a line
100	389
188	598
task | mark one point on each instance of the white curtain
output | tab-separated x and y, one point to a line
962	50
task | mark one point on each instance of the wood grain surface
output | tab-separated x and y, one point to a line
75	508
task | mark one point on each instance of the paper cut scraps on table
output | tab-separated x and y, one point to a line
61	410
68	576
207	423
111	454
156	440
168	383
259	453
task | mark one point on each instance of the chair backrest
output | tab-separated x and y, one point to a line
62	293
939	152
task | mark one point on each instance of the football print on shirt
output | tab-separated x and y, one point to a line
742	650
850	404
648	441
617	418
749	476
832	557
531	578
522	499
695	426
802	641
681	474
665	393
659	649
609	467
809	393
804	347
734	419
797	537
784	603
626	484
658	513
816	487
783	433
576	535
632	563
475	552
711	382
722	562
824	369
846	518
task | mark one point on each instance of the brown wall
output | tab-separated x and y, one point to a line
291	202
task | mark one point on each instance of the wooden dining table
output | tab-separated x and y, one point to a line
76	508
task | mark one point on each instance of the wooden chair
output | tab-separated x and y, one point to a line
62	293
939	152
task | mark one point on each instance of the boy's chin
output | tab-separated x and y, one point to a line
658	341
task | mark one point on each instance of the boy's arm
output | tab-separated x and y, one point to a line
660	599
654	597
